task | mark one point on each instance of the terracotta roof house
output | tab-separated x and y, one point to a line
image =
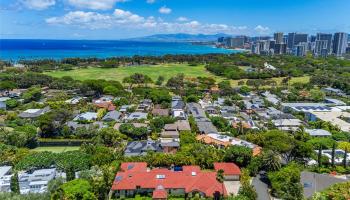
231	170
224	141
105	102
135	178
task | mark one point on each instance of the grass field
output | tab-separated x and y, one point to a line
153	71
56	149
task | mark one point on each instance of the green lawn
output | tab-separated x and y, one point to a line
56	149
153	71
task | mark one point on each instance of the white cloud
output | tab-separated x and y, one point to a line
38	4
91	20
182	19
150	1
121	20
164	10
262	30
94	4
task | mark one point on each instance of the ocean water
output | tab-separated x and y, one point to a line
57	49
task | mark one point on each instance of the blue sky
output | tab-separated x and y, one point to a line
114	19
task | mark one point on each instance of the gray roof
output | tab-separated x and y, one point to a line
75	125
196	110
206	127
313	182
172	134
137	148
86	116
4	170
177	104
137	115
317	132
112	116
33	113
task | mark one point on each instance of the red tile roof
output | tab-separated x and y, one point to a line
190	179
229	168
160	193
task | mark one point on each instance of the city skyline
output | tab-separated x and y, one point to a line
118	19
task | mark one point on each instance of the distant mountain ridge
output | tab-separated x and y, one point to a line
180	37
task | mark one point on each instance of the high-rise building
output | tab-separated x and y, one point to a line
291	37
327	37
321	48
280	49
296	38
300	49
234	42
340	43
278	37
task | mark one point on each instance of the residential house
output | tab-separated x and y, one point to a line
5	178
177	108
3	102
211	110
124	108
74	100
183	125
339	155
221	141
334	91
137	116
170	138
140	148
287	124
335	102
206	127
318	133
33	113
87	116
136	125
112	116
35	181
136	178
105	102
160	112
74	125
145	105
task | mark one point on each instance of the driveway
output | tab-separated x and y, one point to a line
261	187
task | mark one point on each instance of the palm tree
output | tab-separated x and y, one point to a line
271	161
220	179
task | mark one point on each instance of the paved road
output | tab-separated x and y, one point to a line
261	188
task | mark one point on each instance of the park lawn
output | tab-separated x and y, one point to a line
56	149
153	71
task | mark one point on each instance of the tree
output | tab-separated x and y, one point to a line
317	95
246	189
14	183
176	82
160	80
220	178
244	90
77	189
285	183
271	161
238	154
32	94
7	85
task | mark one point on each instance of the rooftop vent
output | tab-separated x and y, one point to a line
160	176
194	173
